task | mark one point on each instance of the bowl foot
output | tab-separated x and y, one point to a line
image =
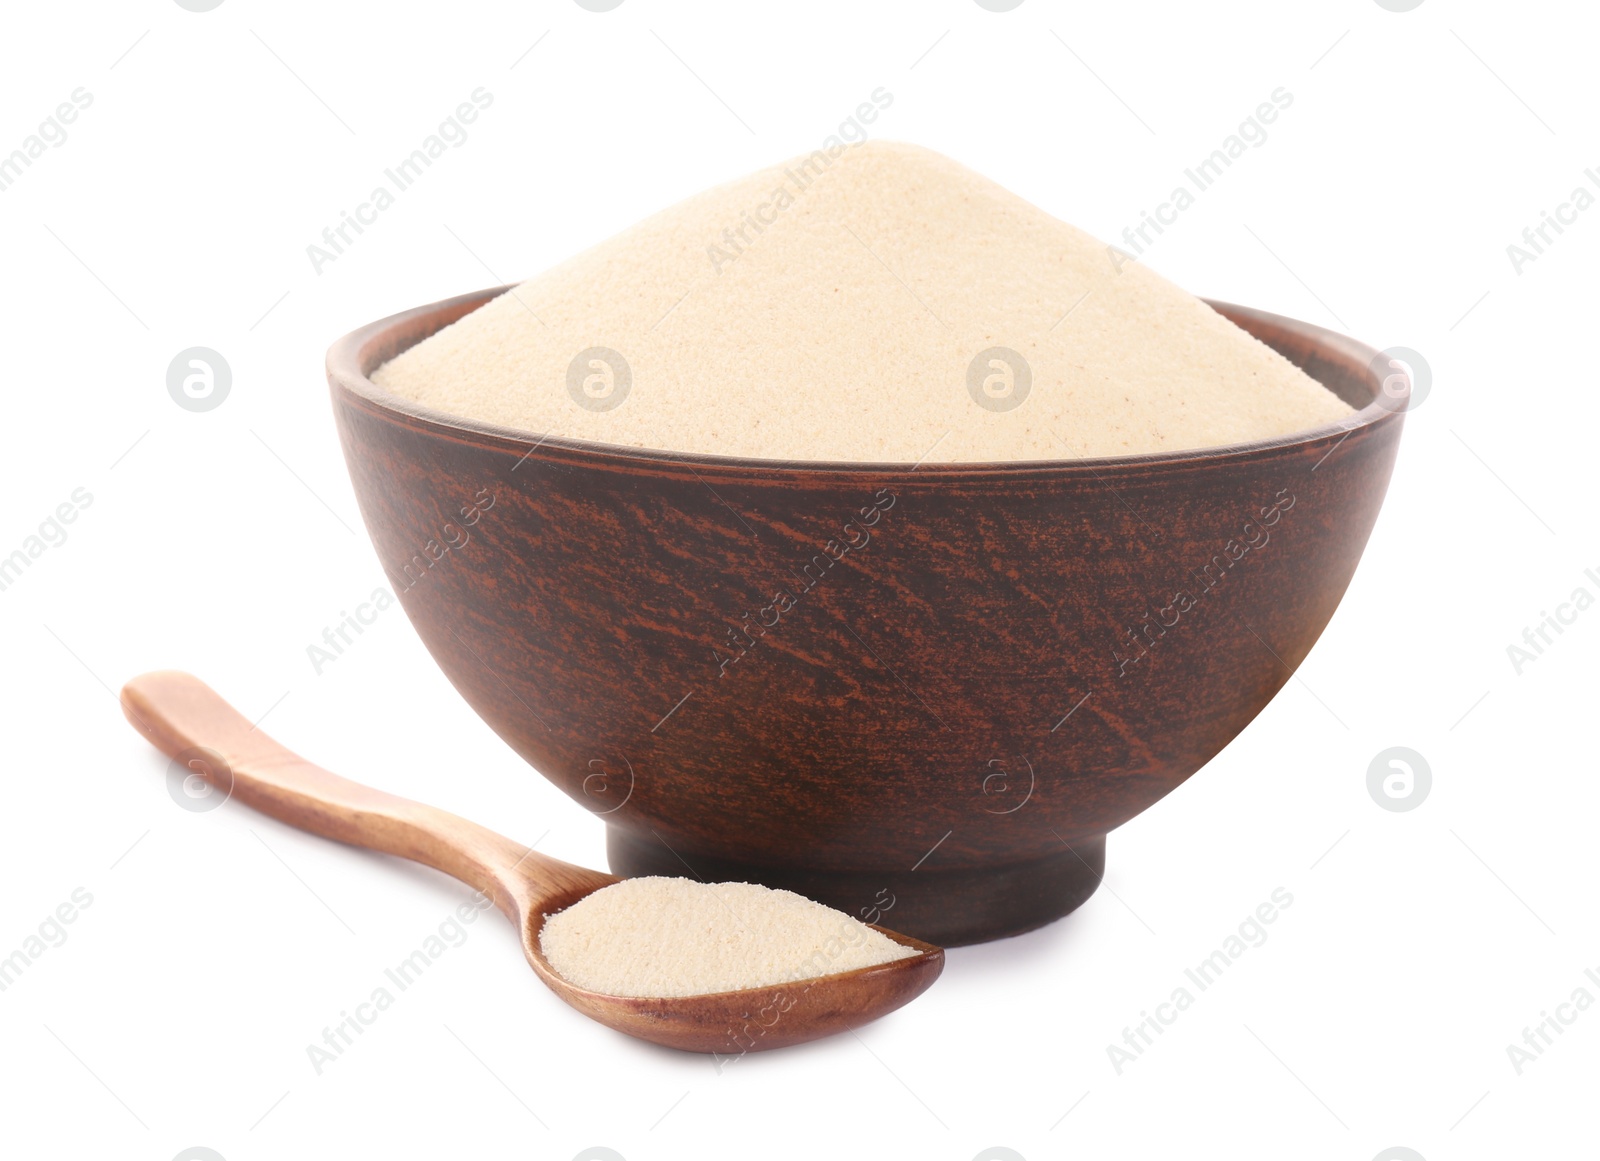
948	907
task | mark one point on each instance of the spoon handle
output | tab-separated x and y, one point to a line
184	717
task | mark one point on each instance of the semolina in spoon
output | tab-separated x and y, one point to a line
185	718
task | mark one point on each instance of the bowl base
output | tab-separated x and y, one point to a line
947	907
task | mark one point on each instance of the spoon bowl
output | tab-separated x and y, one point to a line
188	721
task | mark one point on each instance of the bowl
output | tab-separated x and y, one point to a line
920	694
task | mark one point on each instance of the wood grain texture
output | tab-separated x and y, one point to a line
183	717
1003	669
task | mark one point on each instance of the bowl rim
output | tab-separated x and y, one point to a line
352	357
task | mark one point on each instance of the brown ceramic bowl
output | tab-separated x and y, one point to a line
922	696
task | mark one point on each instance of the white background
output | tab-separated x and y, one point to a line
218	945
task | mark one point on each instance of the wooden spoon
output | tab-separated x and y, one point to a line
181	714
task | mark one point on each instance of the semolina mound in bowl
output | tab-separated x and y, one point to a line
885	306
888	542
